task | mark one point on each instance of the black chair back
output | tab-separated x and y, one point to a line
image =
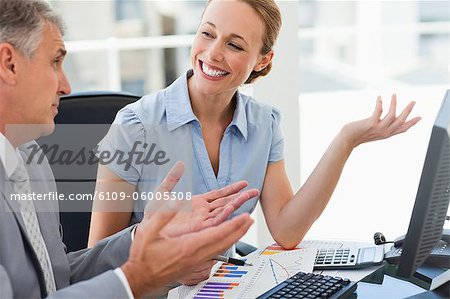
89	114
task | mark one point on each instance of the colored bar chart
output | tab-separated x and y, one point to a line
212	290
230	271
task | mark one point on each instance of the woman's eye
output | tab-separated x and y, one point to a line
235	47
206	34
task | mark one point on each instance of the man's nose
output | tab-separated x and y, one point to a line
64	85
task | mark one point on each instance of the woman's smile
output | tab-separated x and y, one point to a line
212	71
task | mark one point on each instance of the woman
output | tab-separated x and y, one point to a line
233	136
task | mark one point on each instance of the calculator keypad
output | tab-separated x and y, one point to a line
335	257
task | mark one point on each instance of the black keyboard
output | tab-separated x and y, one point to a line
309	285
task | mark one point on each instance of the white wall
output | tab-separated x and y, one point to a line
378	186
379	183
377	189
280	89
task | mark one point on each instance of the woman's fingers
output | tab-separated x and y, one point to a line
400	124
390	117
377	128
378	109
391	124
405	113
405	127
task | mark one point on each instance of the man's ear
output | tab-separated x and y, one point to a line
8	59
264	61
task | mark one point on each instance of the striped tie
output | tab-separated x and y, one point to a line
21	184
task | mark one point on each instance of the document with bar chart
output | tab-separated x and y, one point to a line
230	281
278	267
226	281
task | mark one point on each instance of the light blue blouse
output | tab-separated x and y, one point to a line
251	141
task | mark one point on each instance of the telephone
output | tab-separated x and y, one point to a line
337	254
439	256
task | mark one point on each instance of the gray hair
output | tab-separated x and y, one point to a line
23	21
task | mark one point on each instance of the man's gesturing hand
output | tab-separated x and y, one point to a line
156	260
203	210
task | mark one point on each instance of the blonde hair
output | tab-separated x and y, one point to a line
270	14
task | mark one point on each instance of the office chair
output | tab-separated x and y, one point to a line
243	248
78	109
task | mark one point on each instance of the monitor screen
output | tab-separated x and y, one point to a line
432	199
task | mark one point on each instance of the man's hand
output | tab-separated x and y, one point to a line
209	209
156	260
199	274
203	210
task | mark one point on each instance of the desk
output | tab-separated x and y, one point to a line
378	284
382	284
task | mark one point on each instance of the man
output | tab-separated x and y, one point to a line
33	262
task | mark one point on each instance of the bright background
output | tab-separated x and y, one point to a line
332	59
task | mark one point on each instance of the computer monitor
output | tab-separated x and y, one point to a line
432	199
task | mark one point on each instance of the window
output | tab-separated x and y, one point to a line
128	9
348	52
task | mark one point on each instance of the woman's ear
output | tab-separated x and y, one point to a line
264	61
7	63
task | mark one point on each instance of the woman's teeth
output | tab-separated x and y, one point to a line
211	72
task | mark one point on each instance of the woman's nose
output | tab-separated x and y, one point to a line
215	52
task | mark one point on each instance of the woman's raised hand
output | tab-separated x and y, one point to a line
377	128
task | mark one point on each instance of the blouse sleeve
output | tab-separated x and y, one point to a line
120	148
277	146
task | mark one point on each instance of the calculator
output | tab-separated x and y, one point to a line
348	257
